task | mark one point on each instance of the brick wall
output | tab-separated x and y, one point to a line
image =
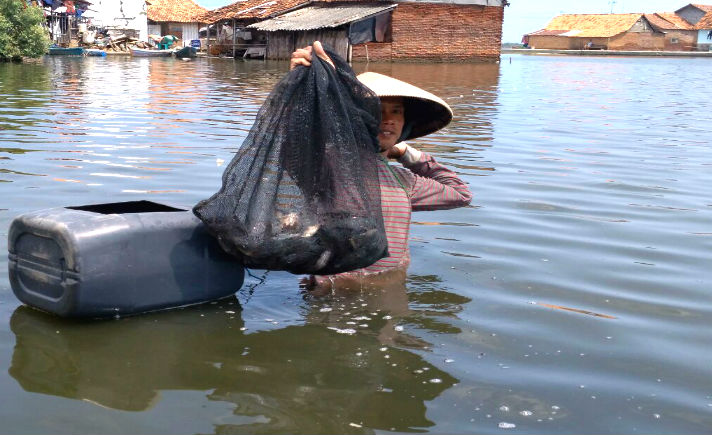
433	31
686	40
552	42
637	41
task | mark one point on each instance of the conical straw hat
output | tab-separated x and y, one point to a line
425	112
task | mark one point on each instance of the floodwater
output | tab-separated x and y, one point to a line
573	296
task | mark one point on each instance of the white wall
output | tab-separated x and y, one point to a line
154	29
123	14
190	31
704	37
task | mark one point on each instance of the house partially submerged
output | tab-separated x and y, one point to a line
597	31
180	18
374	30
687	29
68	21
440	30
340	25
227	31
127	17
63	19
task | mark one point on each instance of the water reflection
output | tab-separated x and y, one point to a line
299	379
472	92
24	89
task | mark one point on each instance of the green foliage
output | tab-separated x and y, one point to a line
21	30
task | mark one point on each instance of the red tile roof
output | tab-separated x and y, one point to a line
178	11
705	22
593	25
706	8
545	32
668	21
251	9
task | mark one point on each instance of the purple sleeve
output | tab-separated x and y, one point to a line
433	186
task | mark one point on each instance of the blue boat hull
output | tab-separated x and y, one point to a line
62	51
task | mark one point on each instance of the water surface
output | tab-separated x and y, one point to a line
573	296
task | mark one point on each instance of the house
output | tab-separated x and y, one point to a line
67	20
127	17
679	34
340	25
440	30
180	18
688	28
601	31
227	31
700	17
389	30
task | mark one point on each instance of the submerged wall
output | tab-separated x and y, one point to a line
439	31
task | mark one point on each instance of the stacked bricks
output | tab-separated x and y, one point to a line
439	31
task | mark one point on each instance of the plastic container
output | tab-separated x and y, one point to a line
117	259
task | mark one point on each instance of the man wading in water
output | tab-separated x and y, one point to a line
407	112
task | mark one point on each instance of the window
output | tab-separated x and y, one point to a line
674	41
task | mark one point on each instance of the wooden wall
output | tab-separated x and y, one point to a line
280	45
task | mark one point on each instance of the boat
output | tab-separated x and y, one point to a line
143	52
187	52
55	50
94	52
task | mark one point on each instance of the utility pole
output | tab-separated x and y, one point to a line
612	3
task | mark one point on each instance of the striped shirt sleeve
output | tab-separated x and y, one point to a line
432	185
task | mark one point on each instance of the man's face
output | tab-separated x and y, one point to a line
392	121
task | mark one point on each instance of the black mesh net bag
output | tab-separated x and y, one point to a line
302	193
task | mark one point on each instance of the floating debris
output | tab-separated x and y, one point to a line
505	425
348	331
575	310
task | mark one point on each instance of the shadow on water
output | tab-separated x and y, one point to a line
298	379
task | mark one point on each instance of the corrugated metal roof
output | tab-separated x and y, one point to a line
593	25
178	11
321	16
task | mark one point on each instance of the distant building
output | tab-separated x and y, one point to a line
227	31
679	35
700	16
689	28
374	30
126	17
180	18
597	31
67	19
340	25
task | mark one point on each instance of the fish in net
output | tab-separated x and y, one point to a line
302	193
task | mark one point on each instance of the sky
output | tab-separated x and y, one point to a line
524	16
